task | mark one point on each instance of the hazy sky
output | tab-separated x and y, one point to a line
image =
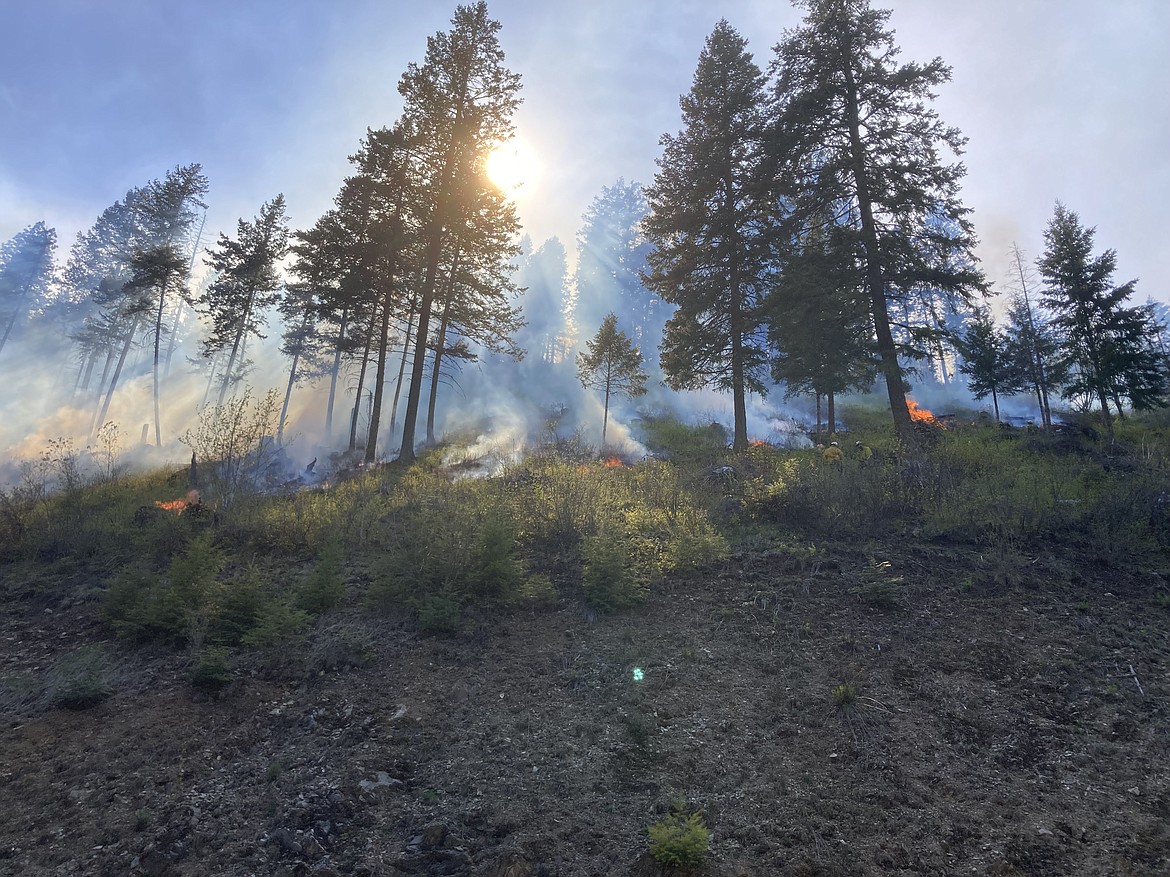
1060	99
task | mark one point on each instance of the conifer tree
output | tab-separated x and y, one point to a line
26	270
986	359
246	284
612	363
853	126
1108	346
708	223
457	105
611	260
818	322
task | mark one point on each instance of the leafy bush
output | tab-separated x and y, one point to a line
325	587
81	679
679	840
232	443
210	670
609	584
438	614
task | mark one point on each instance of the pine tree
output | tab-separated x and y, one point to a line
853	126
246	284
1109	347
986	359
543	277
26	270
457	105
611	260
612	364
818	323
708	223
1033	344
166	213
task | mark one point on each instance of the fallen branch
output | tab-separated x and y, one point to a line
1137	681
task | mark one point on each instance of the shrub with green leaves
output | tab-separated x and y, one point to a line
325	587
81	679
210	670
609	584
679	840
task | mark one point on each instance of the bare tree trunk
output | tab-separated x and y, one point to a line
434	393
402	367
158	325
357	400
128	340
831	402
333	372
379	380
292	376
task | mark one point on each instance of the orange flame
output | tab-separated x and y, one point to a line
612	463
757	443
177	505
918	414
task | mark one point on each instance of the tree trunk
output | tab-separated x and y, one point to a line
818	431
127	341
380	379
333	372
357	399
433	395
8	330
402	368
414	393
162	300
831	413
227	375
605	414
887	350
995	404
440	346
292	375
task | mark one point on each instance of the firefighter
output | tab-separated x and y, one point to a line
833	453
864	452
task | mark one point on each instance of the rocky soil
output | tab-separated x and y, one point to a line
886	710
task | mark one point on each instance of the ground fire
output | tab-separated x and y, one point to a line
918	414
179	505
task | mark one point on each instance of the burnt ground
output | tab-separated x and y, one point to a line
879	710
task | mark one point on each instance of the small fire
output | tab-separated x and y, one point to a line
177	505
612	463
757	443
918	414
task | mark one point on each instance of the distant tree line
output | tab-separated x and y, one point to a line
804	230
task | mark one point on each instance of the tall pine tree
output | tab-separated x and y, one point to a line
708	223
852	125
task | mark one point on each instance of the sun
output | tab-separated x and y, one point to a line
513	167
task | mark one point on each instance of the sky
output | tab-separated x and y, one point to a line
1060	100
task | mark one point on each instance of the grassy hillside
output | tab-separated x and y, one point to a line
945	661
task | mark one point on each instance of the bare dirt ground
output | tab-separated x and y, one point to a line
880	710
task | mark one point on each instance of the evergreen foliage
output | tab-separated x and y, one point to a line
613	365
708	222
26	270
853	134
987	359
1110	347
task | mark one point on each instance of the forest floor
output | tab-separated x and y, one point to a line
881	709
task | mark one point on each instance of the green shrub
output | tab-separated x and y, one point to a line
210	670
276	623
681	443
496	573
325	586
679	840
609	584
81	679
438	614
